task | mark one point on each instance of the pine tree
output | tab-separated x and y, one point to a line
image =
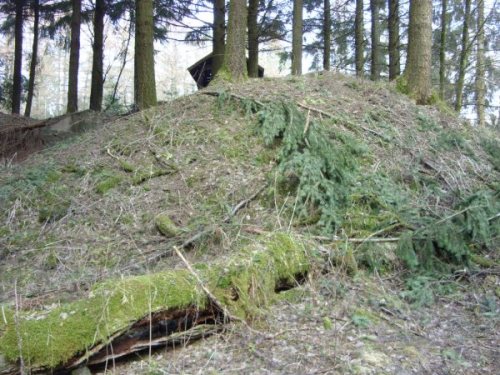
393	22
442	48
359	39
480	60
297	30
97	88
376	65
34	58
418	67
144	63
253	39
74	56
219	33
18	58
464	53
327	34
234	67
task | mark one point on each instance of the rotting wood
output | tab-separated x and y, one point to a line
161	329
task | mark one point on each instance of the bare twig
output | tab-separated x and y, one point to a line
209	294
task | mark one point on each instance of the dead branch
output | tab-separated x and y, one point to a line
211	297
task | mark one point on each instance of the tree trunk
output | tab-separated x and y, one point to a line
253	39
34	58
144	74
297	29
97	88
18	59
219	33
442	48
394	67
74	57
418	67
376	50
359	39
327	34
480	80
234	67
464	53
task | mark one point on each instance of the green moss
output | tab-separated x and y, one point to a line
402	85
254	275
344	259
293	295
246	283
73	168
482	261
166	226
51	338
362	318
53	212
108	181
120	148
145	175
126	166
53	203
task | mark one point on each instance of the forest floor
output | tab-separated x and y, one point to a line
85	210
335	324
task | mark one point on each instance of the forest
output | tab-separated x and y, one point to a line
261	186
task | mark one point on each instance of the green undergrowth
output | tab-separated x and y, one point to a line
245	284
328	171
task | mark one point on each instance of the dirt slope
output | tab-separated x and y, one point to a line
90	208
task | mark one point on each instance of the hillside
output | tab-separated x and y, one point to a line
376	220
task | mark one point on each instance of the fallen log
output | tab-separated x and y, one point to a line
120	317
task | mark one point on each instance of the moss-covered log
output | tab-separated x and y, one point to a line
130	312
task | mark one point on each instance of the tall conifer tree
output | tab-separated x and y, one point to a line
144	62
297	30
418	67
393	21
359	39
18	58
234	67
97	80
74	56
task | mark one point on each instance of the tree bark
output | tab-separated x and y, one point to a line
34	58
376	67
253	39
144	73
219	34
464	53
359	39
480	79
234	67
442	48
327	34
418	67
97	85
74	56
394	66
18	59
297	29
